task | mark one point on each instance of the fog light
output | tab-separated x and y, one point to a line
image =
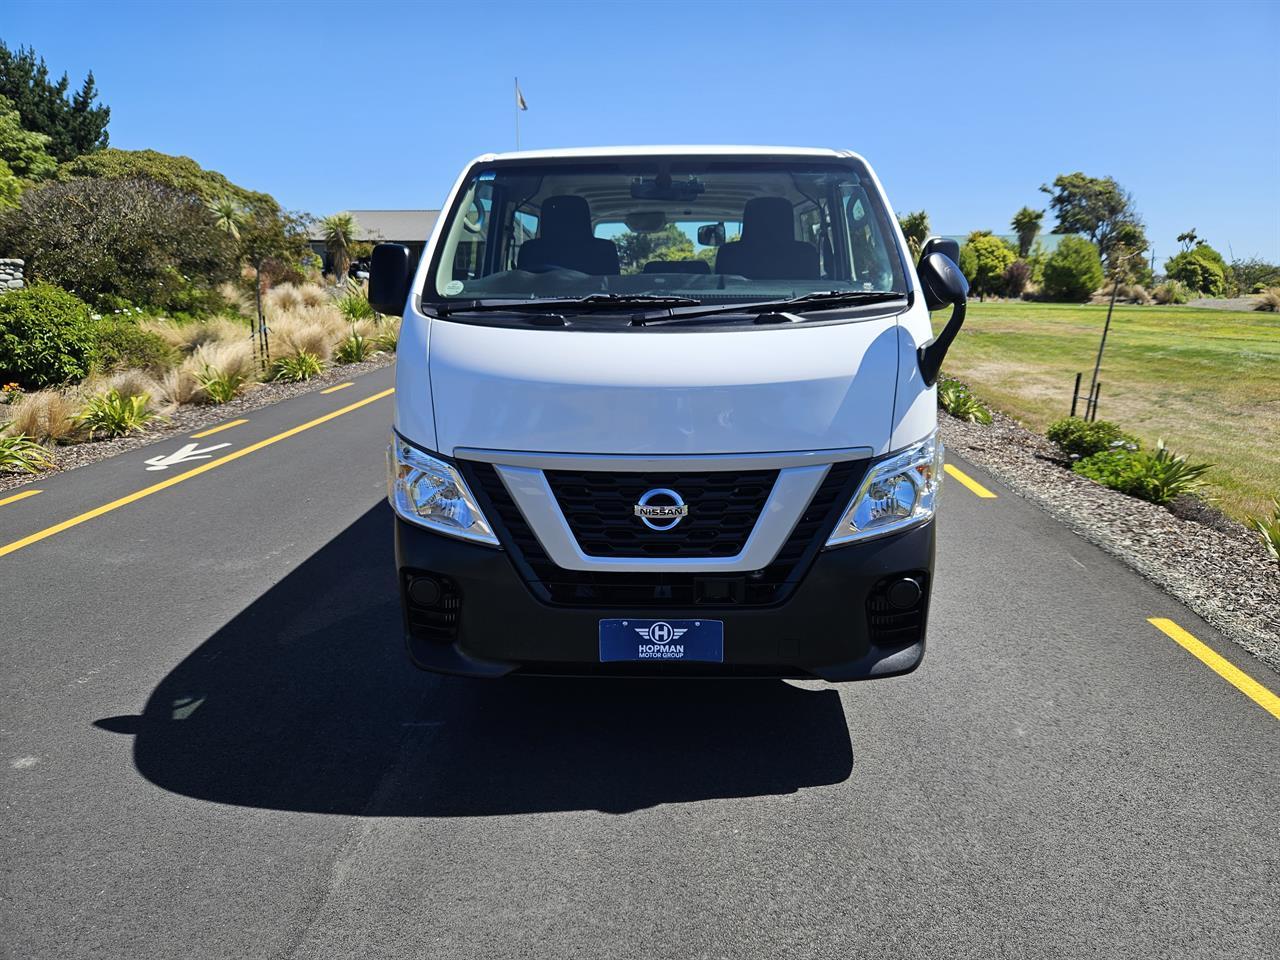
424	591
904	594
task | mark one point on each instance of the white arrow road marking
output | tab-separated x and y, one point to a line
191	451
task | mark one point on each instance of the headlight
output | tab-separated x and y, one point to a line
432	494
896	493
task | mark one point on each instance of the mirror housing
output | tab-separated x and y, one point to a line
941	283
711	234
389	277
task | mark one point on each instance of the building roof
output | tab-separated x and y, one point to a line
397	226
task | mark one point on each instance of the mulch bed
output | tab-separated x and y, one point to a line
189	419
1215	566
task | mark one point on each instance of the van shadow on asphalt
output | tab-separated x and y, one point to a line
306	701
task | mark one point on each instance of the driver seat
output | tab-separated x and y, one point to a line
565	240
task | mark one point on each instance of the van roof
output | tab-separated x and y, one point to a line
670	150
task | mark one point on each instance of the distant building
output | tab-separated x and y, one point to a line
409	227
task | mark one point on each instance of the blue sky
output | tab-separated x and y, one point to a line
963	108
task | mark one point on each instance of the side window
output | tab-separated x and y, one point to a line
872	269
473	226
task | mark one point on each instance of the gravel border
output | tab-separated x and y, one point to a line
192	418
1215	566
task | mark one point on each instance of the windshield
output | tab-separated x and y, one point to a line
713	231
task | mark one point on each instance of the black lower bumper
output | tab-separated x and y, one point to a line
834	625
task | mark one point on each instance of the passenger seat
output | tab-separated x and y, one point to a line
769	249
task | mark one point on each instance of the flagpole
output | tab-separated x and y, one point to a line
516	102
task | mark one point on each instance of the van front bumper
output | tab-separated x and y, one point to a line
486	622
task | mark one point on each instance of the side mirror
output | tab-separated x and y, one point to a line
389	278
941	245
711	234
941	283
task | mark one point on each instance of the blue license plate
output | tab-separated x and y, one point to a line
631	639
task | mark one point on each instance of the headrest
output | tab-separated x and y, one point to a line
768	219
565	216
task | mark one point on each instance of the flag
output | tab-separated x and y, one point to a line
520	104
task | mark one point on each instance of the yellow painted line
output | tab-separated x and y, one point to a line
341	386
19	496
1227	670
977	489
178	478
218	429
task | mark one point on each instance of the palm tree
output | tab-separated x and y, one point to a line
339	231
915	229
1026	223
228	216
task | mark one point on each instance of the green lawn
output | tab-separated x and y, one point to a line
1207	381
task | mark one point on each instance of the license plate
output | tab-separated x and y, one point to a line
701	640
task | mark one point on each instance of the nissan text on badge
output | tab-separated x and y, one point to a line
668	412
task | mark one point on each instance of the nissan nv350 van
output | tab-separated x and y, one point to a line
667	411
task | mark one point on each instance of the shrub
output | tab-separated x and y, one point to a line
296	368
1269	530
47	336
21	454
48	415
115	241
1125	292
283	297
316	331
1073	271
122	343
983	260
1270	300
1084	438
956	399
1155	476
222	369
132	383
354	304
388	335
114	415
354	349
189	337
180	386
1016	277
1171	291
220	386
1200	268
1251	276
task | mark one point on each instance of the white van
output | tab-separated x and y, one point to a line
667	411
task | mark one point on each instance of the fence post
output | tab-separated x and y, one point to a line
1075	394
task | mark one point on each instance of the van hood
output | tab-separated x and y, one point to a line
803	387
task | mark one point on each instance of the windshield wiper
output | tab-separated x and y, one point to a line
823	299
592	301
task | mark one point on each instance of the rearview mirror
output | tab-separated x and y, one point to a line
389	278
941	283
711	234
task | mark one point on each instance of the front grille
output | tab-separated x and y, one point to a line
585	588
600	508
